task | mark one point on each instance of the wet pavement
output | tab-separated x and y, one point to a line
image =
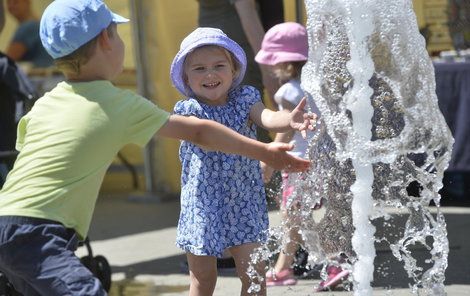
137	238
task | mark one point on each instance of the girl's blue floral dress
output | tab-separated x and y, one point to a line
223	202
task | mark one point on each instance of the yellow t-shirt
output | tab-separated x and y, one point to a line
67	142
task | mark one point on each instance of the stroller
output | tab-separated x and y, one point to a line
17	95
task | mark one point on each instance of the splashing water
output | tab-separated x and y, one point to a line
372	79
381	135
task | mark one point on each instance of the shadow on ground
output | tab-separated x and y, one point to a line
117	217
390	273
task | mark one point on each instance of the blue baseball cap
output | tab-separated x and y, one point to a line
201	37
68	24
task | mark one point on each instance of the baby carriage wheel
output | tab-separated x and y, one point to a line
103	272
98	265
100	268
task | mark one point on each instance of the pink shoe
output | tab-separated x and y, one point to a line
283	278
335	276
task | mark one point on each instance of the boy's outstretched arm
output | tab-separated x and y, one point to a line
214	136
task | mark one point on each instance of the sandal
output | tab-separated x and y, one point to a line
284	277
336	275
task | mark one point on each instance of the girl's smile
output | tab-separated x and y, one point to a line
209	74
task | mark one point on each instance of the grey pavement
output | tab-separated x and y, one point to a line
137	238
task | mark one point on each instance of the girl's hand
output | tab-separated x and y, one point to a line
278	158
302	121
267	172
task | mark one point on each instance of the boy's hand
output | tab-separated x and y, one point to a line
302	121
278	158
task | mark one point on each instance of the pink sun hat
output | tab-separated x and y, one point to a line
285	42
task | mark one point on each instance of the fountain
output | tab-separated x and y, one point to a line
382	144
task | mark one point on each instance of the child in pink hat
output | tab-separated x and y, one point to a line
284	43
285	48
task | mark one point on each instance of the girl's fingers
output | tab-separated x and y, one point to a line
302	103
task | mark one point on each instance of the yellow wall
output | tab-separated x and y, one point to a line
419	10
169	21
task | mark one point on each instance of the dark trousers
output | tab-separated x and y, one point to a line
37	256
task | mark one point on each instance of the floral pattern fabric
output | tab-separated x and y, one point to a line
223	201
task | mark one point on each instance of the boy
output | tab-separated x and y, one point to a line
68	140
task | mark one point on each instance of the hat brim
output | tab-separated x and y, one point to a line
273	58
177	67
116	18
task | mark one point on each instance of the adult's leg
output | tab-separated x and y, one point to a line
241	254
203	274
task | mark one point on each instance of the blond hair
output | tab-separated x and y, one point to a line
289	70
71	63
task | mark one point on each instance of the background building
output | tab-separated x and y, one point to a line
152	39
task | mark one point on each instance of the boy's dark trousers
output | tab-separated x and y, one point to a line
37	256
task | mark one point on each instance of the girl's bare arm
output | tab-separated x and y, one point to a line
282	121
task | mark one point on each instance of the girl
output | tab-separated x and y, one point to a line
285	49
223	203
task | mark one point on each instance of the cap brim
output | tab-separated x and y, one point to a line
119	19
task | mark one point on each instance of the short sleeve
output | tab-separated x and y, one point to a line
144	120
248	95
289	92
28	34
188	107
